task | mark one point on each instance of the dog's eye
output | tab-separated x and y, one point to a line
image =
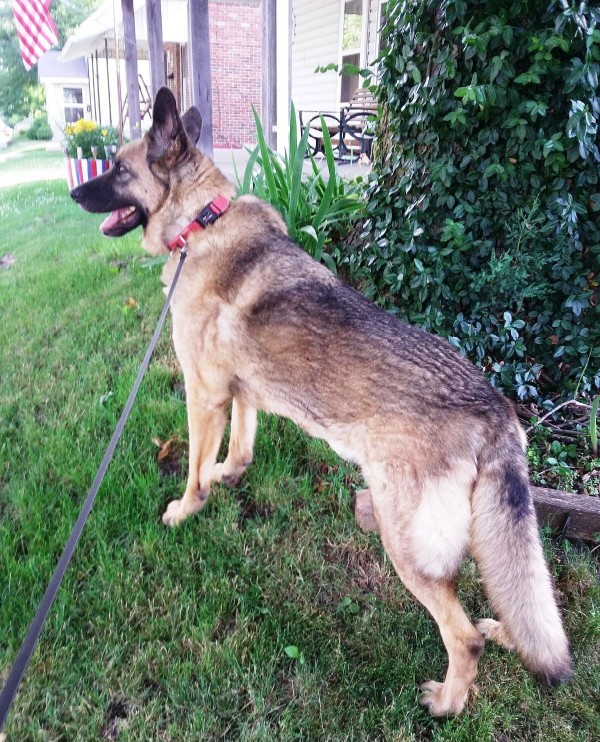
120	169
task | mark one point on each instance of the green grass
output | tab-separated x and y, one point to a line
162	634
25	160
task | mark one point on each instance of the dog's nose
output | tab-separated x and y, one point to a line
76	194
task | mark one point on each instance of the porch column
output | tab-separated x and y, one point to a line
269	70
284	71
155	45
131	69
199	70
108	80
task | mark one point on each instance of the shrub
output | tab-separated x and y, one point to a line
40	129
484	214
316	209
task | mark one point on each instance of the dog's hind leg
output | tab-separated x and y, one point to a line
206	426
241	444
424	528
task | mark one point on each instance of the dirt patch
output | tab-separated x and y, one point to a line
170	456
224	626
117	709
365	570
250	510
177	383
153	688
118	265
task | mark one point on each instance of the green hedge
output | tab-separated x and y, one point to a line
40	129
484	214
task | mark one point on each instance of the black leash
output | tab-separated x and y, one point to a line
35	628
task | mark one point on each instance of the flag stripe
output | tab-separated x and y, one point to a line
28	42
40	23
32	36
36	29
37	25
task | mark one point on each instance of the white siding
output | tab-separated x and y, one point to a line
315	42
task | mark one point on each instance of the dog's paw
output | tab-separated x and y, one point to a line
177	511
223	474
494	631
174	514
439	702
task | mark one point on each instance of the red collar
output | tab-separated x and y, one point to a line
208	215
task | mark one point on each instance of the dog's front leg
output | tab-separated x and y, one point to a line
241	444
206	425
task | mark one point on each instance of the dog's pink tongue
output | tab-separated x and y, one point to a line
112	220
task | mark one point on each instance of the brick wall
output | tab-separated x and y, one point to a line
235	48
235	60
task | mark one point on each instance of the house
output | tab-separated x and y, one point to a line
313	34
67	90
331	31
234	27
305	33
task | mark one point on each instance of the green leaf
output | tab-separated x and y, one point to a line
266	160
593	427
310	231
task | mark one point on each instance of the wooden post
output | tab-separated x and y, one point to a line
98	89
92	81
283	22
108	80
269	70
131	69
155	45
199	66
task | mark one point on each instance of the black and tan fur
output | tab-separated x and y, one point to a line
257	324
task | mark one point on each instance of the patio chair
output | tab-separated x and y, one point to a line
357	120
312	120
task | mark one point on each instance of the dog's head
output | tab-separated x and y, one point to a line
138	182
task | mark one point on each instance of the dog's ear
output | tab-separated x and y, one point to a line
192	123
166	139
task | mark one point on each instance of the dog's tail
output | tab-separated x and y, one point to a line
508	551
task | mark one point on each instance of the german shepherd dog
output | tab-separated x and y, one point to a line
260	325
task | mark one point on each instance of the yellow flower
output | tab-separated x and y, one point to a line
83	125
104	132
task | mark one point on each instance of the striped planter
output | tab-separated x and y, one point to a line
80	171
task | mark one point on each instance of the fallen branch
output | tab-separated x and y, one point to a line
558	407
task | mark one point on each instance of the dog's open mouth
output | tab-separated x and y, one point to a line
121	221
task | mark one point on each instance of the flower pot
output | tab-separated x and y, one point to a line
81	170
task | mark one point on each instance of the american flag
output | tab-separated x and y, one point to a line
35	29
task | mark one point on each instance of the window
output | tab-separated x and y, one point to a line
73	98
353	36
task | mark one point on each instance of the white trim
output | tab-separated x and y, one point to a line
284	46
64	80
362	51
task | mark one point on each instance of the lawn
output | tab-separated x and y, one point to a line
25	161
162	634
